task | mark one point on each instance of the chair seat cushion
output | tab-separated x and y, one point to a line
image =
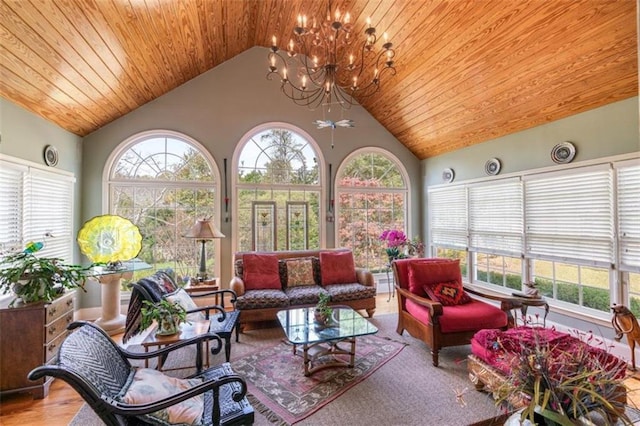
226	326
475	315
353	291
148	385
304	295
257	299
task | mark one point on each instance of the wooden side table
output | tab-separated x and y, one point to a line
195	287
187	331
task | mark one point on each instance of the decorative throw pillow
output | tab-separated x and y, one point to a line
337	267
150	385
182	298
299	272
261	272
448	293
431	271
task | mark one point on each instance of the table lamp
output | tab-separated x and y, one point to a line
204	230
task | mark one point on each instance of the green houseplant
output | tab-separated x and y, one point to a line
167	314
33	279
322	312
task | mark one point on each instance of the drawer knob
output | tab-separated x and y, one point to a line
52	311
52	330
70	302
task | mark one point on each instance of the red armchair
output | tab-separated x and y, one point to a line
434	307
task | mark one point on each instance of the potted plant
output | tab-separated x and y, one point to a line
167	314
560	387
322	312
33	279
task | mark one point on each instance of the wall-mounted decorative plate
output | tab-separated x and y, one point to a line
564	152
492	167
50	155
448	175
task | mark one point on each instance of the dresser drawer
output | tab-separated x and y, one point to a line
57	327
51	348
59	307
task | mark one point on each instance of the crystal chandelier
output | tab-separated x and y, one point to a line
324	64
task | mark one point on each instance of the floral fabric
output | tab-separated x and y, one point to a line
257	299
353	291
304	295
150	385
299	272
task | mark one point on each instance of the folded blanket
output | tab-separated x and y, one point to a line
151	288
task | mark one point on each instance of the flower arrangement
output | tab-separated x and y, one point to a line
397	243
565	387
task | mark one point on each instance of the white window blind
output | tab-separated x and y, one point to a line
628	174
448	217
11	206
496	217
36	205
570	216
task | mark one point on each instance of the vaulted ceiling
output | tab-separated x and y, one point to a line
467	70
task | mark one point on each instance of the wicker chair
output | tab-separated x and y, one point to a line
100	371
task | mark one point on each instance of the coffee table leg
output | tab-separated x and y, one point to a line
307	361
353	353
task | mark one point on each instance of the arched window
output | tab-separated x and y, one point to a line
277	189
372	196
163	182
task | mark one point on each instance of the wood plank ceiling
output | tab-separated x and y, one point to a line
468	70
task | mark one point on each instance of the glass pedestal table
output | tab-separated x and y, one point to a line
336	340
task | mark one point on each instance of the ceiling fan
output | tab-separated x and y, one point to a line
322	124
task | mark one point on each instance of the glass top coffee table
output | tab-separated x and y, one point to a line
335	340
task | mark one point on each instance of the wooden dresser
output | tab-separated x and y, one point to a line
29	337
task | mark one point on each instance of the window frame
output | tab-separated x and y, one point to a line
236	186
215	185
406	191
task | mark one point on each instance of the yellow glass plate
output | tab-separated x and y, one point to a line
109	238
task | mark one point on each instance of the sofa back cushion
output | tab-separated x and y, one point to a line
261	271
423	272
337	267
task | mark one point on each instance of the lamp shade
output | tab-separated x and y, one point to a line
204	229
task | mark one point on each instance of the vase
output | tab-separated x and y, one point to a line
320	317
168	326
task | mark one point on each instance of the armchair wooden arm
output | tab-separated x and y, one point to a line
435	308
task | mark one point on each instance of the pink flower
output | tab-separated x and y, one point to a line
394	238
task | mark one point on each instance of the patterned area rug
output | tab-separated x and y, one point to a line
281	392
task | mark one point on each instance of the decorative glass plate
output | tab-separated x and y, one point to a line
109	238
492	167
448	175
563	153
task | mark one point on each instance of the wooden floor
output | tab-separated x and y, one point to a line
62	403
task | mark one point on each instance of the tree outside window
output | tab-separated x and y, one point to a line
371	193
163	184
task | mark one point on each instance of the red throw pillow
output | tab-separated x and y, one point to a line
337	267
261	271
449	293
432	272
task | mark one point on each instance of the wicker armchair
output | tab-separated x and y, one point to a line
100	371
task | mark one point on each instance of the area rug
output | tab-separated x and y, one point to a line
279	389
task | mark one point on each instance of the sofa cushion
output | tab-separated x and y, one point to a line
448	293
432	272
304	295
337	268
472	316
353	291
264	298
299	272
150	385
261	271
